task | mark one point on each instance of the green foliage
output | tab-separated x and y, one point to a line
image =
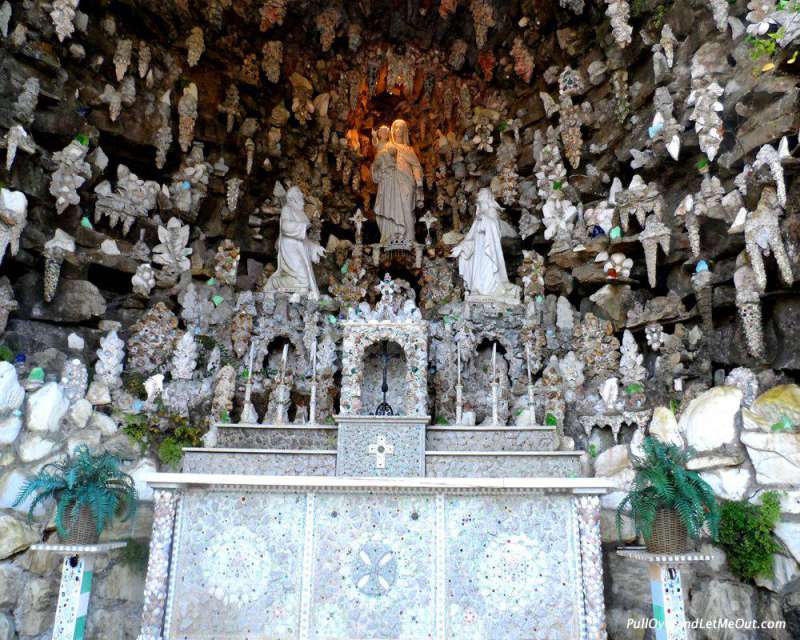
662	481
135	555
163	433
766	45
746	534
593	450
82	479
441	420
133	383
6	354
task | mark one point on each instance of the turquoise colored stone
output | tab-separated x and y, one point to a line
36	375
217	300
634	388
211	282
86	223
615	233
784	424
701	266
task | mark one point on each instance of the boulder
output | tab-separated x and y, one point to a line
789	534
80	412
34	614
104	423
719	599
729	484
709	422
120	582
664	426
46	407
611	461
16	534
773	406
785	570
775	456
75	300
137	472
12	395
11	579
620	627
7	631
712	461
9	429
33	447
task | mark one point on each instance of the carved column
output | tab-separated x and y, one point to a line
165	504
588	508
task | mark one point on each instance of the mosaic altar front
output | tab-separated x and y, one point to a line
405	565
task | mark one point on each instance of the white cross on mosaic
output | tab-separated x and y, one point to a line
380	449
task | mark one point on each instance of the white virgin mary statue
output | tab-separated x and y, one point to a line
295	252
397	172
480	255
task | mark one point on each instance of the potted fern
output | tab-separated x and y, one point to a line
89	490
668	502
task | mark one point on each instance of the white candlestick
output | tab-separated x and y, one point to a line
494	361
528	362
283	361
250	363
314	359
458	349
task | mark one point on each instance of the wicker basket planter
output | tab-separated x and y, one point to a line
669	533
83	531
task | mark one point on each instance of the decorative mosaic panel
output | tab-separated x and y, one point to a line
512	568
541	439
266	464
373	567
381	449
535	466
237	566
327	564
277	438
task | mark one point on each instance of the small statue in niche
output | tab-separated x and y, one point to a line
398	173
480	254
296	253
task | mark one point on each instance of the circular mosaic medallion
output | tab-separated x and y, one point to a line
374	569
514	568
236	567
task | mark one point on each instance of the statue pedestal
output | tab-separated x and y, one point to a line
389	446
665	586
76	585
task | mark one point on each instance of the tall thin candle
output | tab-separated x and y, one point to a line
528	361
283	361
314	359
250	362
494	362
458	349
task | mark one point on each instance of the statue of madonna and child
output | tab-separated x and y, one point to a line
398	173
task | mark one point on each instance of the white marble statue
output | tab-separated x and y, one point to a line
295	252
480	256
397	172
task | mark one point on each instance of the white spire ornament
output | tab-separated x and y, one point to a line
631	368
762	236
655	233
172	252
704	100
195	45
54	251
184	358
63	16
748	302
122	58
13	216
71	172
619	11
74	380
163	137
17	139
110	355
116	98
187	111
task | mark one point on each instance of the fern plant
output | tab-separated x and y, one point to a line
662	481
82	479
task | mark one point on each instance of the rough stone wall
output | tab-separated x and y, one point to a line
105	154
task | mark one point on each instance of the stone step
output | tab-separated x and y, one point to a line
260	462
438	464
271	436
482	438
503	464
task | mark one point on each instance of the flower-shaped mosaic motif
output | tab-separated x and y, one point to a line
374	569
235	567
513	567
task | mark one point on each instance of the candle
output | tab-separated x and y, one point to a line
528	361
458	349
283	361
314	359
494	361
250	364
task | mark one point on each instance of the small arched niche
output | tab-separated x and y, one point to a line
394	357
